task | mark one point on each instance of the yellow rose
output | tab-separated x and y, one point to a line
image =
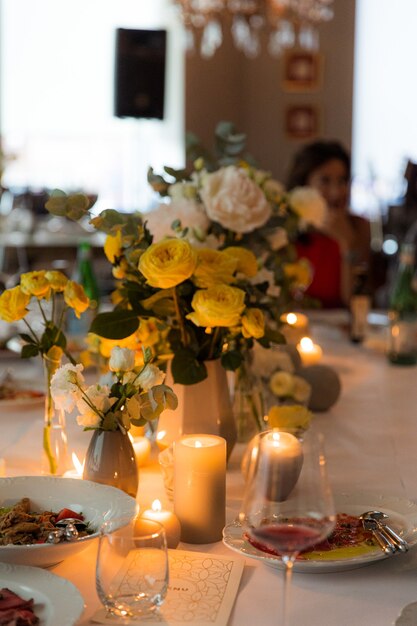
300	273
76	298
168	263
253	323
113	246
220	305
213	267
56	279
35	284
292	417
246	260
13	303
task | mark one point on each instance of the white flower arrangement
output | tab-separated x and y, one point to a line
132	397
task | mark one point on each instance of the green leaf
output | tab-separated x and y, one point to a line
232	360
29	350
186	369
27	338
109	422
115	324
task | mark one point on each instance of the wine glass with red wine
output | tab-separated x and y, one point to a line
288	505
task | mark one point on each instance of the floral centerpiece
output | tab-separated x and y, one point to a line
50	294
220	276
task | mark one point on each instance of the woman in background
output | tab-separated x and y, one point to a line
343	243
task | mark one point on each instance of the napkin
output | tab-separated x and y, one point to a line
202	590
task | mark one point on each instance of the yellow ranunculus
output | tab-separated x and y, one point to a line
246	260
35	284
55	353
13	303
168	263
119	271
76	298
56	279
220	305
282	384
113	246
300	273
213	267
253	323
295	416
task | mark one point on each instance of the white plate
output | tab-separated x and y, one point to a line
403	518
57	600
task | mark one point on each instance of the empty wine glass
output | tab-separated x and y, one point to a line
132	567
288	505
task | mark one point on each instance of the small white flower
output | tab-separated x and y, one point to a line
121	359
89	420
65	385
150	376
273	189
309	204
189	212
90	416
266	276
278	239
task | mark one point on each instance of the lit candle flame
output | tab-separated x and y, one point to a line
161	435
291	318
198	444
306	344
156	506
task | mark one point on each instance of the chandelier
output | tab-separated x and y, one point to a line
287	23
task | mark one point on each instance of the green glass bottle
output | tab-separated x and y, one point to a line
402	349
84	275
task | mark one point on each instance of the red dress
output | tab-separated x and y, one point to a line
324	256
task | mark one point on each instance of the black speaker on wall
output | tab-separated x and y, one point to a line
139	85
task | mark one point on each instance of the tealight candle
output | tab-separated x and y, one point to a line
77	471
142	448
295	326
310	352
282	454
200	487
169	521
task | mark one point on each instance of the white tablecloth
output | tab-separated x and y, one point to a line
371	442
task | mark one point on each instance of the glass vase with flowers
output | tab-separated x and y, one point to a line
40	301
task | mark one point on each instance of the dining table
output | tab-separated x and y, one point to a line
370	437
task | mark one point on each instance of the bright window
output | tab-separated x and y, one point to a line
57	75
385	101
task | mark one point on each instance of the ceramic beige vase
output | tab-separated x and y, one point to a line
204	407
110	460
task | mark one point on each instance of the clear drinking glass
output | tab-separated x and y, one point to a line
288	505
132	567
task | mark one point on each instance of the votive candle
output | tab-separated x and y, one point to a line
310	352
295	326
200	487
142	448
169	521
282	454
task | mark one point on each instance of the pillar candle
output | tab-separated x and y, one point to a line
310	352
142	448
169	521
200	487
281	455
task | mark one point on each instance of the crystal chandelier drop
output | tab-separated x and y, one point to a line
287	22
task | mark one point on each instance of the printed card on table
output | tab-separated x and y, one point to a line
202	590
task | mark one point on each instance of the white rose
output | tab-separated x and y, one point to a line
278	239
309	204
65	385
121	359
150	376
189	212
233	200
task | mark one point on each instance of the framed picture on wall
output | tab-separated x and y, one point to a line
302	121
302	71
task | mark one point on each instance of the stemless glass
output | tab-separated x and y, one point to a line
288	505
132	567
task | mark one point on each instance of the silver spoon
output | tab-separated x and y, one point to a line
385	543
78	523
380	516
